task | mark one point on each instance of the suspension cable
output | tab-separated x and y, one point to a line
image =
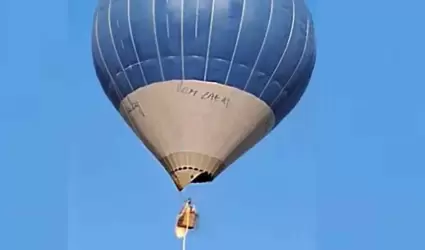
188	214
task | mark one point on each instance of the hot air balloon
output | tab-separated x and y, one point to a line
201	82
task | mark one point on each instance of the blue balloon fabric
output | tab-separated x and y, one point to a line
264	47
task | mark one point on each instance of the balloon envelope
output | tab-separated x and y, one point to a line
202	81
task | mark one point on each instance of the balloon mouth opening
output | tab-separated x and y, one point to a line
203	177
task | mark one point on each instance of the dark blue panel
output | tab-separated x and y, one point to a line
194	67
263	47
136	75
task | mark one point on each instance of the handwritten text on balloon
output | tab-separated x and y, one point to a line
134	106
207	95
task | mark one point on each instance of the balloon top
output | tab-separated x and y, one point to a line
266	48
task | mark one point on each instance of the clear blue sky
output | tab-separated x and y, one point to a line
345	171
